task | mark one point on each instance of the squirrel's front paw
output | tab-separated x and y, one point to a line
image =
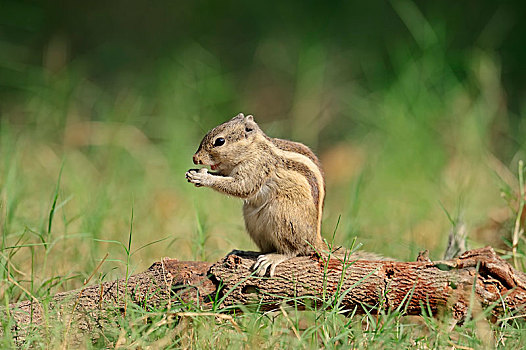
199	177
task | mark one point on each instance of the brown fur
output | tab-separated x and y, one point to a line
280	181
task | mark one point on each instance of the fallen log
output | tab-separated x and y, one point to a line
388	284
335	280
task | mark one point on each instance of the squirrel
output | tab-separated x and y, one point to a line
280	181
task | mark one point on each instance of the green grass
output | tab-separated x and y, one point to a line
77	159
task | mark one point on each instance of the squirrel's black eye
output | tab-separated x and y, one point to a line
219	142
247	129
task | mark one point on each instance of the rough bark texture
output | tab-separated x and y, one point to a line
86	308
388	284
301	280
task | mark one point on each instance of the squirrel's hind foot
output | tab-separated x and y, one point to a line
265	261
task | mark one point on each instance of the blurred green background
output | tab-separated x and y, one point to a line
416	110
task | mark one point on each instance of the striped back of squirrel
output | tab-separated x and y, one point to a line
240	147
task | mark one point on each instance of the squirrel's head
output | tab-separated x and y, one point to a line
228	144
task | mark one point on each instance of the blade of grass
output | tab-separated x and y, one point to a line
55	199
517	231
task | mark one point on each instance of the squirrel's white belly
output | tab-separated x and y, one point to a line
260	217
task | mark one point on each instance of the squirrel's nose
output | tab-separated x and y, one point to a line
196	161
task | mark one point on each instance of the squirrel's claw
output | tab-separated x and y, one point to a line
197	176
265	261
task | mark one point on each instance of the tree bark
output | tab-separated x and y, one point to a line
387	284
301	281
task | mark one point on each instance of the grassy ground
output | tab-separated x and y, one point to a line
85	171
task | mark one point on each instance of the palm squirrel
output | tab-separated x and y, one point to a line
280	181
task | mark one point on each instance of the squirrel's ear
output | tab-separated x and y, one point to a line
240	116
250	125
